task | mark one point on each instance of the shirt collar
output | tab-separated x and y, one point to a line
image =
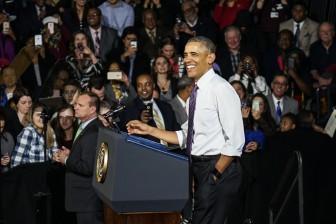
95	30
85	123
181	101
276	99
205	80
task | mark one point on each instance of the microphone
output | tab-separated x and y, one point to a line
111	113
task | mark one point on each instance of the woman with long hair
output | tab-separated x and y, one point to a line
168	49
65	126
31	142
163	78
18	110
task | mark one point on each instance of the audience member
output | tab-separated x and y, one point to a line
226	11
248	73
153	112
82	62
192	25
241	90
119	90
6	145
179	102
269	14
96	86
7	38
228	57
9	85
280	103
303	28
70	89
74	18
132	61
288	122
163	78
117	14
31	142
151	34
103	41
168	49
323	51
18	113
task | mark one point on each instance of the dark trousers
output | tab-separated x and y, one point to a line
214	199
90	217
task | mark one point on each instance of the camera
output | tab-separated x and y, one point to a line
134	44
149	108
247	67
80	46
114	75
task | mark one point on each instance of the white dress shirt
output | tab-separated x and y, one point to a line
218	122
275	101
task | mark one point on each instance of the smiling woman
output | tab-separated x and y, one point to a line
30	142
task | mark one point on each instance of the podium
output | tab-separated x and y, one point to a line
134	175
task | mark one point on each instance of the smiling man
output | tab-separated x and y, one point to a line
213	135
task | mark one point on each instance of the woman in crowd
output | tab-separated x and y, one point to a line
65	126
83	62
74	18
163	78
17	112
9	85
241	91
248	73
6	144
30	142
120	91
7	38
167	49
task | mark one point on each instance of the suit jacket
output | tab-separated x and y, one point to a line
289	106
134	109
180	111
109	43
308	32
79	193
145	43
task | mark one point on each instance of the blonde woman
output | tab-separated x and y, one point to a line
30	142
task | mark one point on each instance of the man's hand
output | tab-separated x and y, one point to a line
138	127
145	116
61	155
251	146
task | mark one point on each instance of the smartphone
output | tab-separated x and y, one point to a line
255	105
80	46
149	108
178	21
291	63
114	75
51	28
134	44
38	40
5	27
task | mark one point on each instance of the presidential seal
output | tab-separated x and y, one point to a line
101	163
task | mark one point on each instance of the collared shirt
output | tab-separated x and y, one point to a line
93	33
275	100
184	105
117	16
86	123
218	123
30	147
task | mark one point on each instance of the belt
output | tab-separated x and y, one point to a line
204	158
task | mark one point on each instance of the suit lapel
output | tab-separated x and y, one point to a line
84	130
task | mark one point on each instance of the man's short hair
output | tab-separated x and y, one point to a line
208	44
97	10
280	75
184	82
94	99
232	28
73	82
129	30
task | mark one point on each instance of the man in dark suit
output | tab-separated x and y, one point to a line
150	35
178	103
280	103
154	112
104	41
80	196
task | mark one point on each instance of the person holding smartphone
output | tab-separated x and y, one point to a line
82	62
7	38
6	144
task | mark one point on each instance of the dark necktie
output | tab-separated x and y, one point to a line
97	43
192	106
278	111
297	35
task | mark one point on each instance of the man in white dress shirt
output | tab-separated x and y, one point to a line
213	134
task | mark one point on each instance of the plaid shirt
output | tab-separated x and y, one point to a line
29	147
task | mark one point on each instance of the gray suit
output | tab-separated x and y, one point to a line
179	110
290	105
308	33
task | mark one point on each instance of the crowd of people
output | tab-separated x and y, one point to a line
68	67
